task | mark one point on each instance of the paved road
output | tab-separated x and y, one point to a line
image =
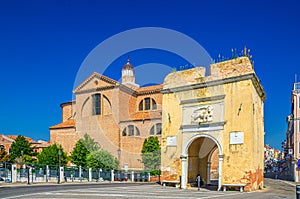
274	189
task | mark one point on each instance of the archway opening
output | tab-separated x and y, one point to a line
203	160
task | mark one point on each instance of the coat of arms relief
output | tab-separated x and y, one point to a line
202	115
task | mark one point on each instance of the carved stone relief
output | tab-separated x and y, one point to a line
202	115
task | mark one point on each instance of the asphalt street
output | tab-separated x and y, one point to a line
274	189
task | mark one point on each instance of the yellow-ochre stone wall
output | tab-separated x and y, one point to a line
237	97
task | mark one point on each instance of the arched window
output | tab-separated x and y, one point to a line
96	104
147	104
141	105
158	129
155	129
132	131
137	131
124	133
153	105
152	131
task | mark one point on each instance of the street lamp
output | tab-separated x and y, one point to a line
59	154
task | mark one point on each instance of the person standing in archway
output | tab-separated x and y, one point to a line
198	179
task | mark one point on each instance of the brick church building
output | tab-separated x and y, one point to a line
119	116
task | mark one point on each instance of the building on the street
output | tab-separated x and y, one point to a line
219	116
7	140
272	154
292	144
119	116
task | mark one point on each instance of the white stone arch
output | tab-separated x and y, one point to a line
184	156
193	138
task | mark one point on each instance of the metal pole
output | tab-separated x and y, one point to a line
5	171
298	191
59	153
32	174
58	176
28	176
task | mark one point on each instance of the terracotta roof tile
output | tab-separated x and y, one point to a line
149	88
66	124
14	137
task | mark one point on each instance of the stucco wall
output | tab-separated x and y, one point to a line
234	85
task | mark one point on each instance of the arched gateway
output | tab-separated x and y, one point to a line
197	158
213	125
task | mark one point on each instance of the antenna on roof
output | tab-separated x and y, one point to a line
295	78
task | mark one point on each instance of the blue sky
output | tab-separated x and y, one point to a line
43	43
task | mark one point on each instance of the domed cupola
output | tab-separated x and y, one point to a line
128	77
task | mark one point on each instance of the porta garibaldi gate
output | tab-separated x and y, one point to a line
213	126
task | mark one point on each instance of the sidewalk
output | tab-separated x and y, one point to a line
281	177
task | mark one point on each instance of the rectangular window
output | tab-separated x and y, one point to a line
147	103
97	104
130	130
158	129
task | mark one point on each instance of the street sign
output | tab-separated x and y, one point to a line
290	151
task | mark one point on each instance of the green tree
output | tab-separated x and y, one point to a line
90	143
151	154
21	147
79	154
50	155
102	159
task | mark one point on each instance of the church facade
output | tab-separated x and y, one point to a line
119	116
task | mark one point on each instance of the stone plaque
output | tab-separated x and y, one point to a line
171	141
237	138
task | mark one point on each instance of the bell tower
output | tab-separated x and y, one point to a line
128	77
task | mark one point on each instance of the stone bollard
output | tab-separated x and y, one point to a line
112	176
132	176
14	173
61	174
47	173
99	178
149	177
90	174
31	174
80	173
